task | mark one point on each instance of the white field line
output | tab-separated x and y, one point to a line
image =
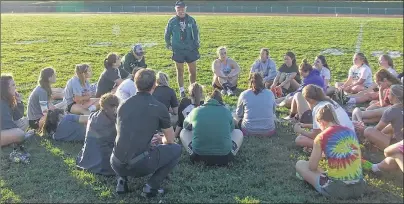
359	40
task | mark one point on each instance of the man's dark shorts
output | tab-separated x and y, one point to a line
181	56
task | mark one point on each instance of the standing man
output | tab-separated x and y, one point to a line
182	37
133	155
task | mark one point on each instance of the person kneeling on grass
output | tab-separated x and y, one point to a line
390	128
64	127
13	124
393	160
344	178
316	99
100	137
138	118
256	109
209	133
78	96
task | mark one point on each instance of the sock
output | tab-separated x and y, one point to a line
92	108
367	164
182	89
352	101
375	168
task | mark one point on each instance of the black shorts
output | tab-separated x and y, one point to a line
213	160
181	56
34	124
69	107
307	117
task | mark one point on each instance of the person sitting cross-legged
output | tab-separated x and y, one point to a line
340	146
138	118
209	133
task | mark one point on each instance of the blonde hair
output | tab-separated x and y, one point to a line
327	114
220	48
196	93
162	79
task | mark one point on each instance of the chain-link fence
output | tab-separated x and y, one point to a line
204	9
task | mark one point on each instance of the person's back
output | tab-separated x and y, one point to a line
342	151
99	142
257	111
126	89
211	126
166	95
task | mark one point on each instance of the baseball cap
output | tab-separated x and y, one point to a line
136	46
180	4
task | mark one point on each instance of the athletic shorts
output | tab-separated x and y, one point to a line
339	189
306	118
181	56
69	107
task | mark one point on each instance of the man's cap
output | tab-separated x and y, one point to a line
180	4
136	46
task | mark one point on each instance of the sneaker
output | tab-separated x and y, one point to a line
298	176
223	91
182	94
18	157
149	192
230	92
122	186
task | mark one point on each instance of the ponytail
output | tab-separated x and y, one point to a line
305	66
81	70
316	93
196	93
327	114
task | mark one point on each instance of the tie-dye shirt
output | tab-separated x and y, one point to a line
341	148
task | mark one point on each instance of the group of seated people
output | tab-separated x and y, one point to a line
130	119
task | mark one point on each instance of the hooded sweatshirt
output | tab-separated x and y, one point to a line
315	78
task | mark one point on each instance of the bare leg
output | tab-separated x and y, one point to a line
375	115
377	138
268	84
192	72
79	109
312	177
392	163
180	74
294	85
302	105
304	141
11	136
357	88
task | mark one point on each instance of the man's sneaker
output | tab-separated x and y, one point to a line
182	94
122	186
230	92
149	192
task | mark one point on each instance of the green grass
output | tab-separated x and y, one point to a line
263	170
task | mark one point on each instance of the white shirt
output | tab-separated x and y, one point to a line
126	89
363	72
326	74
342	116
392	71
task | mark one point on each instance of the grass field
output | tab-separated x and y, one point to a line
264	169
